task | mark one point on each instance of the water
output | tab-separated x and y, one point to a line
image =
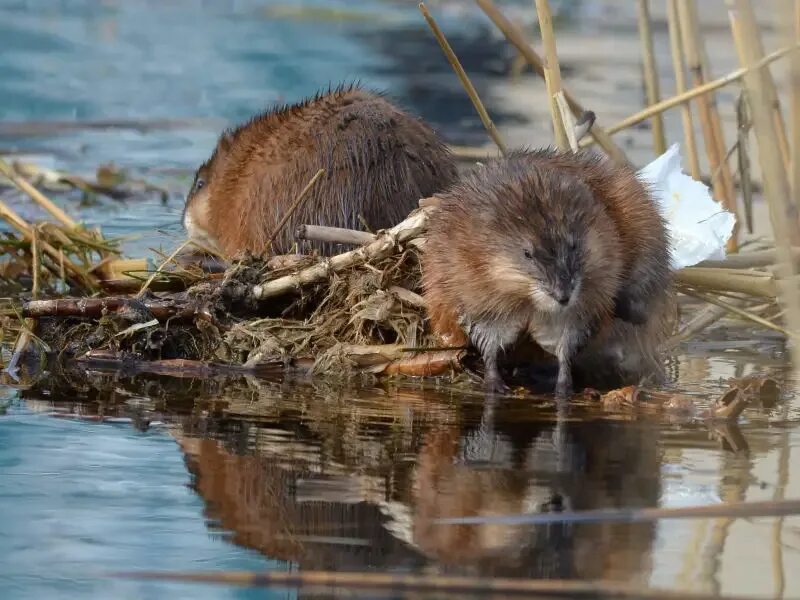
101	473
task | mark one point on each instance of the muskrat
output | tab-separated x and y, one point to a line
378	162
553	244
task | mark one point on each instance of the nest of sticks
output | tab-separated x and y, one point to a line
356	312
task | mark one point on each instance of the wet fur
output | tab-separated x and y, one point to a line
641	227
474	293
378	160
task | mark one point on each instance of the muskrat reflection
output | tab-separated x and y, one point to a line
294	500
587	466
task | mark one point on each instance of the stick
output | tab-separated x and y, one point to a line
462	76
714	145
680	88
650	72
639	515
36	195
552	71
570	129
783	214
18	223
384	245
35	262
741	312
679	99
794	82
494	587
157	272
753	283
751	32
294	206
333	235
93	308
517	39
743	158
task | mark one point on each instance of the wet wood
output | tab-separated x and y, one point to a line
472	586
333	235
94	308
385	244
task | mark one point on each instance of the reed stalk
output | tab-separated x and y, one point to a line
752	33
35	195
513	34
465	81
782	212
678	61
721	180
35	262
752	283
486	587
794	82
650	75
295	205
552	71
160	268
743	158
18	223
732	308
689	95
568	121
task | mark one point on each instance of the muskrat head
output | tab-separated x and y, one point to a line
196	210
545	243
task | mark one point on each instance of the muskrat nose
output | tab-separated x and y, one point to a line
563	298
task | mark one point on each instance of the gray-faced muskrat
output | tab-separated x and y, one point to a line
378	163
549	244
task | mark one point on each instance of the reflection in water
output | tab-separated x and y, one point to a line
291	494
324	476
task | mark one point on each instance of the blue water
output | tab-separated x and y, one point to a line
216	62
80	501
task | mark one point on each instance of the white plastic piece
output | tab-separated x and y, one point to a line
699	227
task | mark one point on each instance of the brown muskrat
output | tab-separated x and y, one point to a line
553	245
378	162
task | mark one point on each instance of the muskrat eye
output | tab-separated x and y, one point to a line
198	185
528	254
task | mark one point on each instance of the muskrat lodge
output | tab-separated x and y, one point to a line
547	269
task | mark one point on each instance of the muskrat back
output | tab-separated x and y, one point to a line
378	163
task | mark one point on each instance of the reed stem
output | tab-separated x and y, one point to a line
552	71
35	195
689	95
783	213
752	33
465	81
513	34
680	88
721	180
650	74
